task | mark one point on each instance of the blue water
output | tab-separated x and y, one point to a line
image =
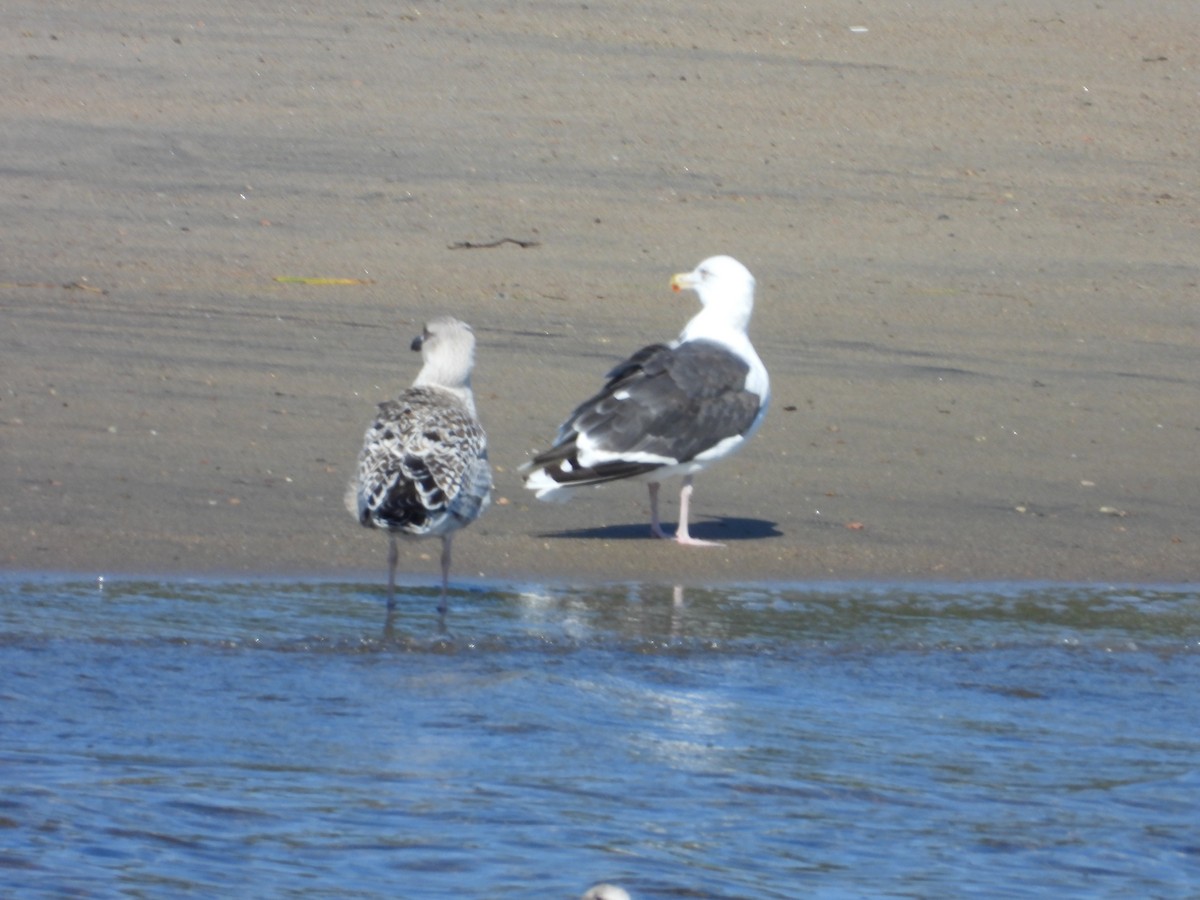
272	739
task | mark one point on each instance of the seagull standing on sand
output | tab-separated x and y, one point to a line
423	470
670	409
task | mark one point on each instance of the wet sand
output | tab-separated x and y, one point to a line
974	230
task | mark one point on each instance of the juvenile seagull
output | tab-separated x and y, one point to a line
670	409
423	470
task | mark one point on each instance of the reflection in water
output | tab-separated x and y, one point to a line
631	612
857	740
390	635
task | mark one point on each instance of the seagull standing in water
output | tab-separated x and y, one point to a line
423	470
670	410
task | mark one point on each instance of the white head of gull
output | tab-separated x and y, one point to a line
670	410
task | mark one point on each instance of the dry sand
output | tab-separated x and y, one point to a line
975	229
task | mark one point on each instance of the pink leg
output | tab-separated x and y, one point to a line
681	533
655	525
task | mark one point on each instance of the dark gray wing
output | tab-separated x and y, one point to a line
662	403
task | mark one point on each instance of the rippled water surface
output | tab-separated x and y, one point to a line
164	738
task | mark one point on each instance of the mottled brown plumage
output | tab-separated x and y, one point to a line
423	470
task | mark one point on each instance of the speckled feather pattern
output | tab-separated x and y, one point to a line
423	469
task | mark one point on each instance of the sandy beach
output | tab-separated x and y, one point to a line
975	230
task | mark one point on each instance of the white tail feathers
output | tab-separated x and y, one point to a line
547	488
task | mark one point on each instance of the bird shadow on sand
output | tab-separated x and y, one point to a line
711	528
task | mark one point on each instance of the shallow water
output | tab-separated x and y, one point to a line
160	738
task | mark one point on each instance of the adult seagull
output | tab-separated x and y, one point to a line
669	410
